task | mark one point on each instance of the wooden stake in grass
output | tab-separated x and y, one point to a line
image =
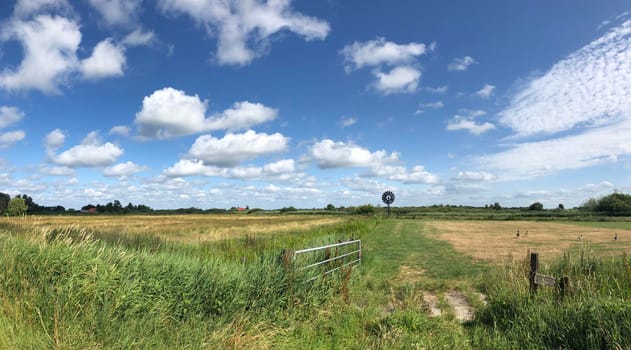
534	267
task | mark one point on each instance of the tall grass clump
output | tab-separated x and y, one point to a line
69	288
595	313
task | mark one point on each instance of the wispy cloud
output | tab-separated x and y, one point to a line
437	90
348	121
486	91
430	105
461	64
466	121
586	93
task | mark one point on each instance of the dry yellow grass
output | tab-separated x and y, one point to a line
496	241
181	228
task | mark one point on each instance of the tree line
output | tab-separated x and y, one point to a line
615	204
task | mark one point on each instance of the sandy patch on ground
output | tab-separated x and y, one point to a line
462	309
431	301
497	241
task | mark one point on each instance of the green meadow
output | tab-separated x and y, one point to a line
81	285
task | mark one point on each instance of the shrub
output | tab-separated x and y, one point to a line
366	209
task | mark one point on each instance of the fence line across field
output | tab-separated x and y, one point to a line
355	262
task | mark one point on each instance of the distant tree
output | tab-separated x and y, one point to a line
561	206
615	204
536	206
17	207
365	209
497	206
287	209
589	204
330	207
4	202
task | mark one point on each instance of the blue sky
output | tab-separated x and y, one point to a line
178	103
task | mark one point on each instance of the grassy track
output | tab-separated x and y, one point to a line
385	306
410	243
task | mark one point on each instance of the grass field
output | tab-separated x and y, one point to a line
497	241
180	228
207	282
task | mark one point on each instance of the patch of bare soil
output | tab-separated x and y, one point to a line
462	309
431	301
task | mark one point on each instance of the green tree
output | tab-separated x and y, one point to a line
590	204
330	207
561	206
17	207
615	204
536	206
4	202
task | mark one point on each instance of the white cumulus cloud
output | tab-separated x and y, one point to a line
117	12
243	28
122	130
169	113
187	167
379	51
280	167
242	115
9	115
9	138
107	60
393	64
123	169
54	139
233	149
49	34
330	154
50	44
403	79
90	153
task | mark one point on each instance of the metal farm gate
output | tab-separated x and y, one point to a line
320	261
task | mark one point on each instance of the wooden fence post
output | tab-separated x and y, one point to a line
534	267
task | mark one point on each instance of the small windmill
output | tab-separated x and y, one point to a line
388	198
